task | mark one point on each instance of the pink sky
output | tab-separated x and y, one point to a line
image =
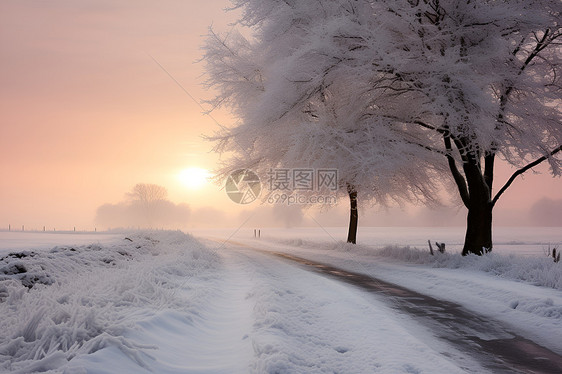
86	113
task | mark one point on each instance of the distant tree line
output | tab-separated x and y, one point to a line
145	206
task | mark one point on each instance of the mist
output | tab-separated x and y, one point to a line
546	212
162	214
166	214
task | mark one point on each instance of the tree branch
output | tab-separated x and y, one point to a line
521	171
427	126
426	147
489	160
541	44
459	179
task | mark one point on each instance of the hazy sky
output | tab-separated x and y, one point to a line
86	113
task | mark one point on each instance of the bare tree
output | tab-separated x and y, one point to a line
148	197
147	193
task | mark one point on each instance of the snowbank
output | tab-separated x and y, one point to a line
539	271
76	300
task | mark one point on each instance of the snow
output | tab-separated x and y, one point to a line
21	240
310	324
166	302
520	287
84	299
507	240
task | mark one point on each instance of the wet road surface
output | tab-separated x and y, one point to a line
494	346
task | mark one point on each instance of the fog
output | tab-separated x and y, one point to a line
544	213
162	214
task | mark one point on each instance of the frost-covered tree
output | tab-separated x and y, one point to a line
299	106
468	81
484	77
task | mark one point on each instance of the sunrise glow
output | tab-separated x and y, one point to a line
194	177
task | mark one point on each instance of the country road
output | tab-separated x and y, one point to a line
487	341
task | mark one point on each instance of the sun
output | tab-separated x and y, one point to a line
194	178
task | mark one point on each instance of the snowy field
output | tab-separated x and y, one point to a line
531	241
167	302
526	241
18	240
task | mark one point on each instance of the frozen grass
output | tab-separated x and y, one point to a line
539	271
69	301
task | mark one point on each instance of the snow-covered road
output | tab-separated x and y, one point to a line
486	340
269	316
165	303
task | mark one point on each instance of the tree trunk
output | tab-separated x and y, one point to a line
478	239
353	216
